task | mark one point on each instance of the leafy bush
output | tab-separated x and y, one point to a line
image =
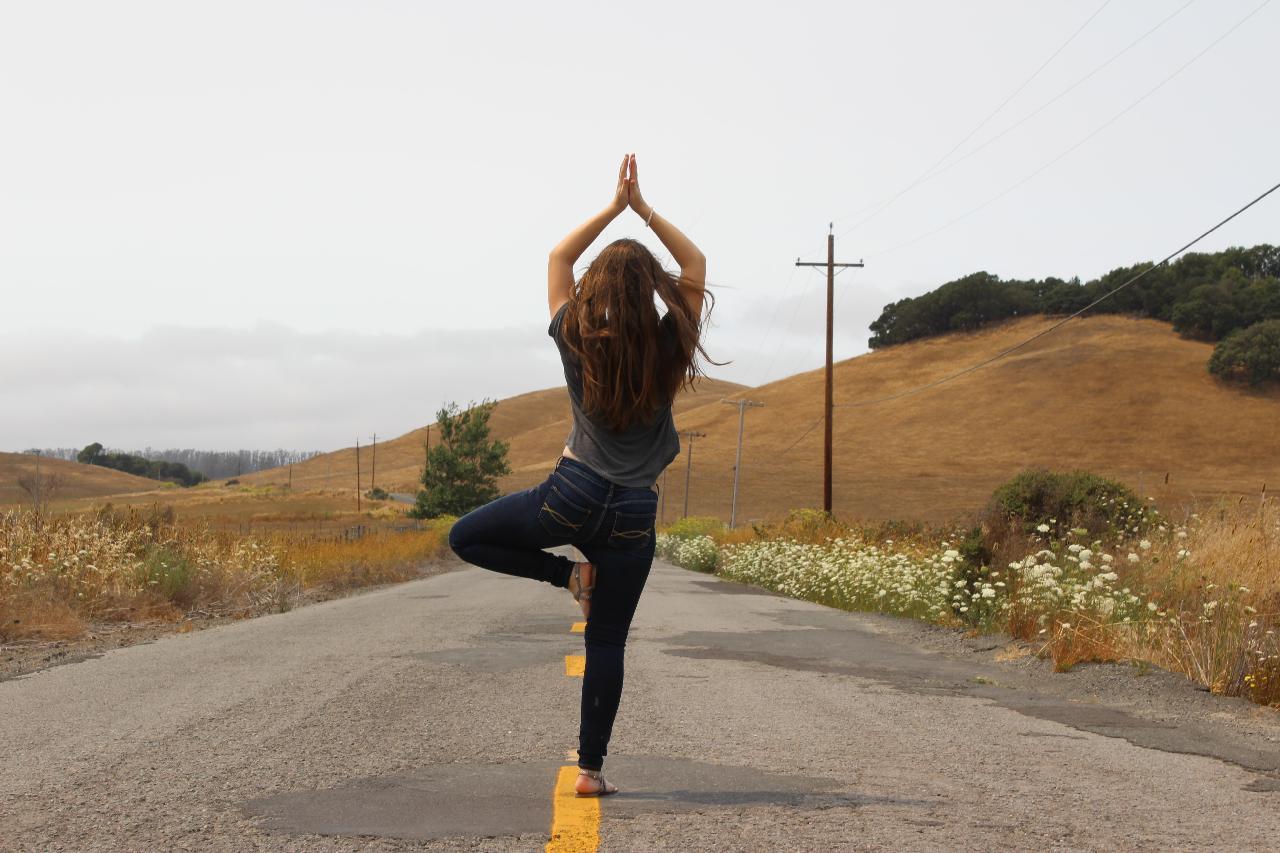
1252	353
1056	501
377	493
169	573
695	525
804	525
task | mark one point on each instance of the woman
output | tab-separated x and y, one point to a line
623	366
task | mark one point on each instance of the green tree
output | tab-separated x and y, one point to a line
461	472
1252	353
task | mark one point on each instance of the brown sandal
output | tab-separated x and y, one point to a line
582	593
606	787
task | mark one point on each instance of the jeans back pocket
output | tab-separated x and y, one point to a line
633	524
560	516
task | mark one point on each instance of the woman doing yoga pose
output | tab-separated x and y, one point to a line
623	365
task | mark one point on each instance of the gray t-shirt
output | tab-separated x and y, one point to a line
634	457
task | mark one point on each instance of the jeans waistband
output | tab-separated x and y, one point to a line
586	471
595	476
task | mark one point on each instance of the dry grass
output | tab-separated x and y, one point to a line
59	573
1236	543
1227	596
1115	395
535	424
1212	583
255	509
78	481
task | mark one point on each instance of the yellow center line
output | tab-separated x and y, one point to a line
575	821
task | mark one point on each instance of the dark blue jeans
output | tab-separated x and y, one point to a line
613	526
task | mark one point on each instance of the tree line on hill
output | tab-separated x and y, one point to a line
211	464
131	464
1230	297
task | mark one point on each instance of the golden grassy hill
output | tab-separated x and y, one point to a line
1118	396
78	481
536	424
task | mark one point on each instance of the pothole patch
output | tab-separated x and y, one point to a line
515	799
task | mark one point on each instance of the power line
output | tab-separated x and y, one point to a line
773	318
1073	147
804	355
1063	154
1062	322
803	434
1039	334
1061	94
929	173
925	176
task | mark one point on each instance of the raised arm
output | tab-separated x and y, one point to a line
693	264
567	251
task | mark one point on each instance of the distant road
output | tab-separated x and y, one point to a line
438	715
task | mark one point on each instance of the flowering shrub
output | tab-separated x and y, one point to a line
698	553
846	573
1144	593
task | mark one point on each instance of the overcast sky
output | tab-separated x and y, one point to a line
277	224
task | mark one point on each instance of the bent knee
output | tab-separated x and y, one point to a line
605	635
456	540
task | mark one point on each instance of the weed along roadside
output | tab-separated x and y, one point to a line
1077	566
77	583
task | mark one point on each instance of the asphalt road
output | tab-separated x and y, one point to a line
440	714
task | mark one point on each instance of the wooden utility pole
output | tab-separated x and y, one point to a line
373	475
688	470
737	462
291	476
831	276
357	475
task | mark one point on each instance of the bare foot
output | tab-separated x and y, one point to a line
583	592
593	786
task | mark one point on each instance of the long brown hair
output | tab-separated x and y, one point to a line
611	327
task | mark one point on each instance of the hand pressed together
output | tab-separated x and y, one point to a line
627	193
